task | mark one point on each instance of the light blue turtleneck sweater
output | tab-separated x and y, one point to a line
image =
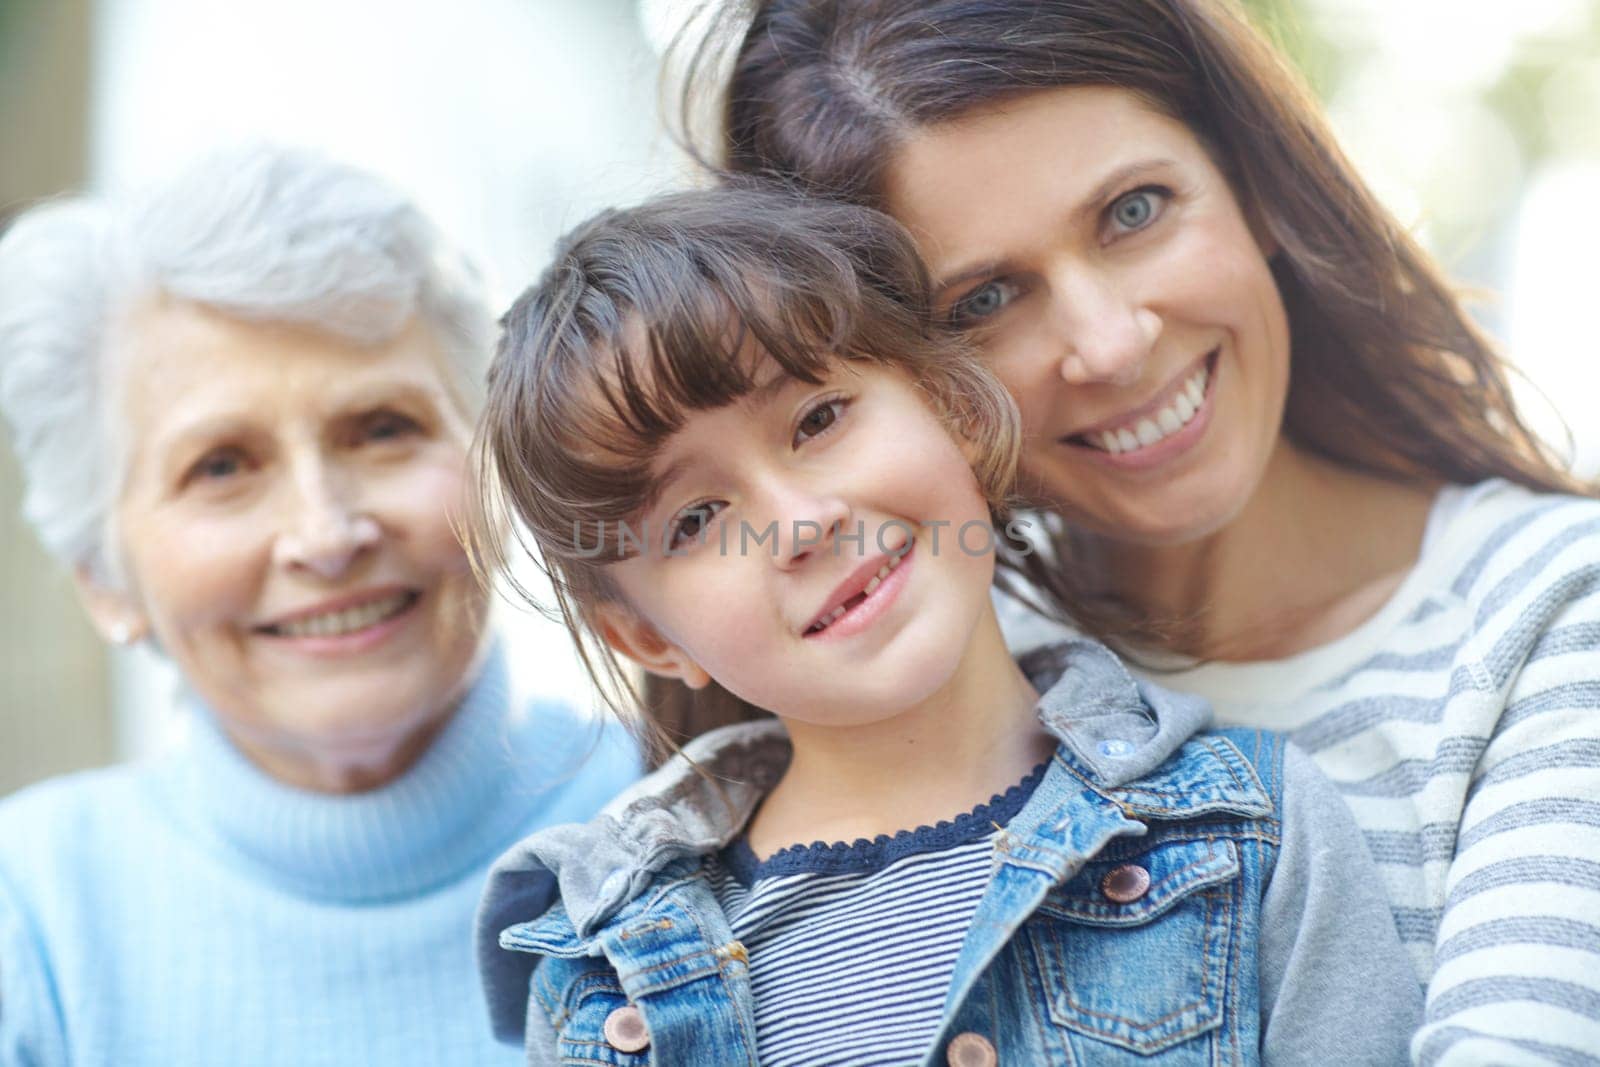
194	911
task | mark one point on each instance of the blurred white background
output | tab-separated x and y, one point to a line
1477	121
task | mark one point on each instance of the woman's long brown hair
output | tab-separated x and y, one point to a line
1390	376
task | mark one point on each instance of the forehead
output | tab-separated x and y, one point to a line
718	440
1019	161
171	363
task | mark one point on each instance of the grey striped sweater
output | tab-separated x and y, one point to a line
1462	725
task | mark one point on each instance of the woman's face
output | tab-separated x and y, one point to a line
285	530
1096	253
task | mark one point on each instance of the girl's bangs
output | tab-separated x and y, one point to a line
624	399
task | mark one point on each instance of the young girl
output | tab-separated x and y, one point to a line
746	458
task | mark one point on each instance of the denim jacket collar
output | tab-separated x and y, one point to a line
1115	734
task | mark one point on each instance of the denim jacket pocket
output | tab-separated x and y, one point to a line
577	1006
549	935
1145	973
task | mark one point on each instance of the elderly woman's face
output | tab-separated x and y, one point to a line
287	539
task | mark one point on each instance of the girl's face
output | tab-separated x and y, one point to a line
799	502
1101	261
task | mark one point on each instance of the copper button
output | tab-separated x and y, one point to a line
625	1030
970	1050
1125	883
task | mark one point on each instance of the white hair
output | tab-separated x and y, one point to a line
260	233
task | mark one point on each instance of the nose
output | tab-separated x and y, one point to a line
326	530
1106	333
810	523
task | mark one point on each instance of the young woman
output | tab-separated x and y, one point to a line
1283	463
759	465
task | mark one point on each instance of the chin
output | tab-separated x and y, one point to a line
1172	531
359	711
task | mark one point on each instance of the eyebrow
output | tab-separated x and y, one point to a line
225	424
1089	205
404	391
201	430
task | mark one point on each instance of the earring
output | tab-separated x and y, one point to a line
121	633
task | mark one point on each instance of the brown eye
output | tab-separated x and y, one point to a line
819	420
388	425
691	523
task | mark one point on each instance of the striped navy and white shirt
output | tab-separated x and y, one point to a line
1461	723
852	947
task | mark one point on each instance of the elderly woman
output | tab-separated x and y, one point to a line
243	409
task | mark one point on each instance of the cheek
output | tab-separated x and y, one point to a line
194	572
1027	362
1235	284
426	505
711	607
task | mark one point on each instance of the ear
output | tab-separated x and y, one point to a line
641	642
114	612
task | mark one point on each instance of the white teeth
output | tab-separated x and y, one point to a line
867	590
1169	420
336	623
877	579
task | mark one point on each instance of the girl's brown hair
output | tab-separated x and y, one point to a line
650	314
1389	375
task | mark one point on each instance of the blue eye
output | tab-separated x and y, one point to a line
218	464
986	300
1136	210
819	419
691	523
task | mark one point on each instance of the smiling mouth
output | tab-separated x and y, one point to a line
345	621
833	615
1179	409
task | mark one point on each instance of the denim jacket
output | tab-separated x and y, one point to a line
582	925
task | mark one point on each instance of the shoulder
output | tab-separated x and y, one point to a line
1503	565
63	839
1494	535
558	730
63	817
687	807
575	762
